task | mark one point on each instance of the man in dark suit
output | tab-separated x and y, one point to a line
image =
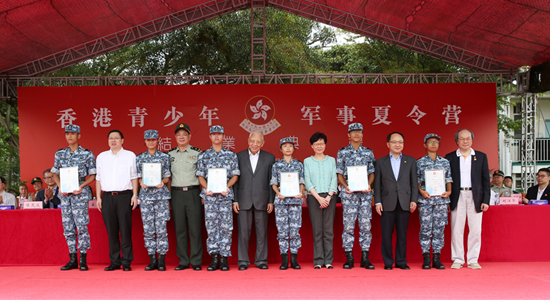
48	196
541	191
253	199
470	197
395	196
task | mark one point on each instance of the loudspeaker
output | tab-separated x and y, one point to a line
539	78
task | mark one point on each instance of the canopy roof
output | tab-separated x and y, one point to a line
41	36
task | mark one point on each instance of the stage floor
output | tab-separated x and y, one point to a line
504	280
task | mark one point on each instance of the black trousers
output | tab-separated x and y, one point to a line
187	216
399	219
117	216
322	225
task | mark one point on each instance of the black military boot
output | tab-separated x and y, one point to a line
83	262
162	263
294	261
349	262
72	264
284	263
365	262
214	265
437	263
426	263
223	263
153	265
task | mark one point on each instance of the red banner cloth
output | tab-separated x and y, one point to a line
35	237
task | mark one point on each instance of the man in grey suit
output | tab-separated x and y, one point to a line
253	199
395	196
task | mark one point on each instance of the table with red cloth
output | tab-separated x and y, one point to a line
35	237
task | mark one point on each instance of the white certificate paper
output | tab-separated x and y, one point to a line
151	176
358	179
68	178
435	182
217	180
290	184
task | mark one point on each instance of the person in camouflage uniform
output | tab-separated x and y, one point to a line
432	210
154	205
356	204
217	207
288	210
74	205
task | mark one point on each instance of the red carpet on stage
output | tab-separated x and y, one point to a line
525	280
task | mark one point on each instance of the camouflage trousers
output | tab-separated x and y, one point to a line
288	218
433	218
218	218
357	206
155	214
75	218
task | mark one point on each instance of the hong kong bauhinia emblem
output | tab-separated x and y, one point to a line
260	115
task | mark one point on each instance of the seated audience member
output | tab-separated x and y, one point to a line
541	191
498	185
48	196
23	194
5	197
508	181
37	185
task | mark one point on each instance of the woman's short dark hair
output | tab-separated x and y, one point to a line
116	130
318	136
395	132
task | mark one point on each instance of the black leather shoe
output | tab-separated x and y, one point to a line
349	260
72	264
162	262
126	268
181	268
112	267
388	268
197	268
317	267
242	267
83	262
263	267
427	262
215	264
224	266
402	267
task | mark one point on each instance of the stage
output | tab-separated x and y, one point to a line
525	280
34	237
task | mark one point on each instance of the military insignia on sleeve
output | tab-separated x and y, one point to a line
172	159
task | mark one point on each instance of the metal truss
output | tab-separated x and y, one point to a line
528	139
304	8
128	37
392	35
505	83
257	37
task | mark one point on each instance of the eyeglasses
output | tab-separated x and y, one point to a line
432	142
465	139
318	144
49	177
396	142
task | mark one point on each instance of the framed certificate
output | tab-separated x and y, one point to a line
358	179
217	180
151	174
435	182
68	178
290	184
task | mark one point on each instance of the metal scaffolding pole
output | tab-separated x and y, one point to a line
257	37
528	139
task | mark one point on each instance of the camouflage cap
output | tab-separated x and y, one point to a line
184	127
150	134
355	126
216	129
286	140
72	128
431	135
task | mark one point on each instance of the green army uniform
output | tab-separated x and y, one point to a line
501	190
186	205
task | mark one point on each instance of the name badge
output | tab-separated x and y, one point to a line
92	204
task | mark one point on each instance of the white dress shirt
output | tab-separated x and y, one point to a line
9	199
540	192
254	159
465	168
115	172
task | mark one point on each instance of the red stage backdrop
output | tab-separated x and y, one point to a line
278	110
